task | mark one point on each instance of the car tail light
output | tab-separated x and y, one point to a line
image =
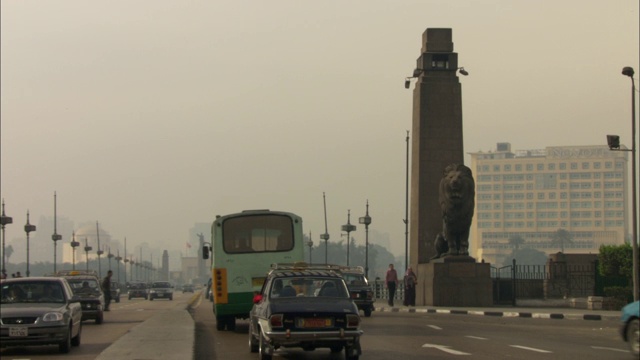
276	320
353	321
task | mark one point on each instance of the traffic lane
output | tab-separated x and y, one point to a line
97	337
415	336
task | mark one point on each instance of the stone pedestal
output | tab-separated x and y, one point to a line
454	281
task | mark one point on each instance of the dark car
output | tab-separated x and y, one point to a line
161	290
39	311
359	288
86	286
306	307
188	288
137	289
630	327
115	291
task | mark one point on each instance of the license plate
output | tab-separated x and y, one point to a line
18	331
316	323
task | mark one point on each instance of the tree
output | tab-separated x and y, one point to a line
8	252
616	260
527	257
516	241
561	238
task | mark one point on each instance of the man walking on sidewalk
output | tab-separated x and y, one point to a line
391	281
106	288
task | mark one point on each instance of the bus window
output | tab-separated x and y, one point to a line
250	234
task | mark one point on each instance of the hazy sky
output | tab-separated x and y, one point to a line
149	116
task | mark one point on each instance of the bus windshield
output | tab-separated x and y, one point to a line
257	233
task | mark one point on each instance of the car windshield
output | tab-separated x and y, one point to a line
137	286
308	287
161	285
32	292
84	286
354	279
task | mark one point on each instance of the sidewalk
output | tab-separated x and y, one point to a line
504	311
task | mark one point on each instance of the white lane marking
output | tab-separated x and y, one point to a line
435	327
445	349
530	348
476	337
608	348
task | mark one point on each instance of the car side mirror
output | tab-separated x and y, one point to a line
257	298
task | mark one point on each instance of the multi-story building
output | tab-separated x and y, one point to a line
532	194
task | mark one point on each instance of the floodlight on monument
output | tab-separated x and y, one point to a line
613	141
462	71
418	72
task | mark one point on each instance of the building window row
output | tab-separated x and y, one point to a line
550	166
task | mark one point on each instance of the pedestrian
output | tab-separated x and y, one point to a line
3	275
18	275
391	281
13	275
410	280
106	288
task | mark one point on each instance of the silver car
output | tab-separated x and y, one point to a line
39	311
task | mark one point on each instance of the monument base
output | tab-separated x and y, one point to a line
454	281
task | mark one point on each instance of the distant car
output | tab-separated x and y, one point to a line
86	286
629	328
160	290
306	307
137	289
209	291
359	288
39	311
188	288
115	291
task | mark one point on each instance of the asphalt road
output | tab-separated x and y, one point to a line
96	338
409	336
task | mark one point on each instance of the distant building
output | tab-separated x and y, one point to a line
189	269
534	193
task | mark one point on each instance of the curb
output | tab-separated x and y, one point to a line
506	314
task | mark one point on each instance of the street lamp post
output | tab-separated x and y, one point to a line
366	220
109	256
4	220
118	259
126	260
310	244
99	252
55	237
406	209
28	228
87	248
325	236
74	245
348	228
614	144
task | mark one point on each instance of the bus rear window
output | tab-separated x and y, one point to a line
257	233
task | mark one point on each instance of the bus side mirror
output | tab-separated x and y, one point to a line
205	252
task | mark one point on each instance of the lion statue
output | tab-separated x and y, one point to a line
457	193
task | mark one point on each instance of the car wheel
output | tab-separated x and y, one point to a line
367	312
220	323
171	298
263	348
150	298
75	341
633	337
65	346
100	318
231	323
253	342
117	299
348	351
129	297
336	348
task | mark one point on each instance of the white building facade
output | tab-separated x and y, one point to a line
534	193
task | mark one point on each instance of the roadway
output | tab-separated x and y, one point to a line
414	335
96	338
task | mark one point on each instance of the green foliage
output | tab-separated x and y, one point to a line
560	238
527	256
620	295
616	260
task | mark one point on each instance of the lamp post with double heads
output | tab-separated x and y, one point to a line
87	248
55	237
74	245
348	228
325	236
4	220
366	220
614	144
118	259
310	244
28	228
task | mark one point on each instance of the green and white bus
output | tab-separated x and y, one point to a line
243	246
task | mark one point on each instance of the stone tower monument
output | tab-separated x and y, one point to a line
454	280
436	137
